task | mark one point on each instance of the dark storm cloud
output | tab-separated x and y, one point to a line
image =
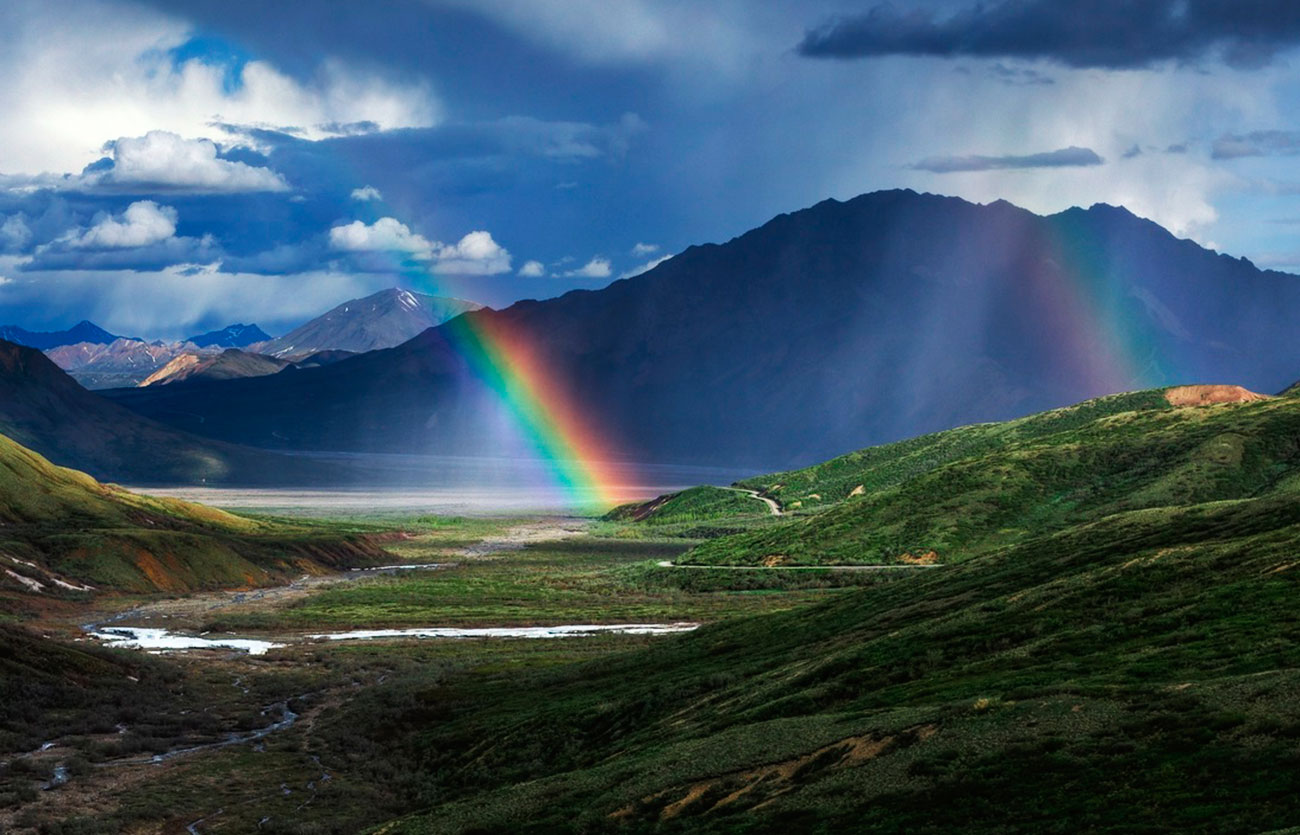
1071	157
1113	34
1260	143
511	136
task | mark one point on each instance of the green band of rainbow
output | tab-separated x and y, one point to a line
550	417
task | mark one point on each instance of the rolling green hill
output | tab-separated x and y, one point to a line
1114	647
61	531
875	468
957	494
823	485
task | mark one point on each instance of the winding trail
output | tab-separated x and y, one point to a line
697	567
754	494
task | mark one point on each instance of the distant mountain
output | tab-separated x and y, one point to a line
840	326
83	331
383	320
42	408
231	336
121	362
323	358
230	364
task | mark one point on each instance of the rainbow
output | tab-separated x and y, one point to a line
549	416
1097	317
573	452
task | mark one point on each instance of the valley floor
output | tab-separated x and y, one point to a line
235	741
1078	621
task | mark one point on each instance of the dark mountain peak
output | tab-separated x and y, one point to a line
231	336
26	365
1109	209
83	331
1005	207
1112	215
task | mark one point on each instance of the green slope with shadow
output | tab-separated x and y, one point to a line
970	490
61	530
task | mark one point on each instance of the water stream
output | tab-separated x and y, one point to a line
140	637
161	640
565	631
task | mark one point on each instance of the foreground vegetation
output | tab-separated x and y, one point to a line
1111	646
1137	673
1110	643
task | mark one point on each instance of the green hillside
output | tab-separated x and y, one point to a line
875	468
62	531
952	496
1134	670
692	505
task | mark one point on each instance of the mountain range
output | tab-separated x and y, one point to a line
44	409
122	362
839	326
382	320
100	360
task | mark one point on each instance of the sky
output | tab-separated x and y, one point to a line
170	167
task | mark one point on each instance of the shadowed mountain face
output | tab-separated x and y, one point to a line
843	325
231	336
383	320
83	331
44	409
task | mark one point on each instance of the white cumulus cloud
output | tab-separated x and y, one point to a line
641	250
475	254
532	269
165	161
387	234
366	193
597	267
73	81
142	224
